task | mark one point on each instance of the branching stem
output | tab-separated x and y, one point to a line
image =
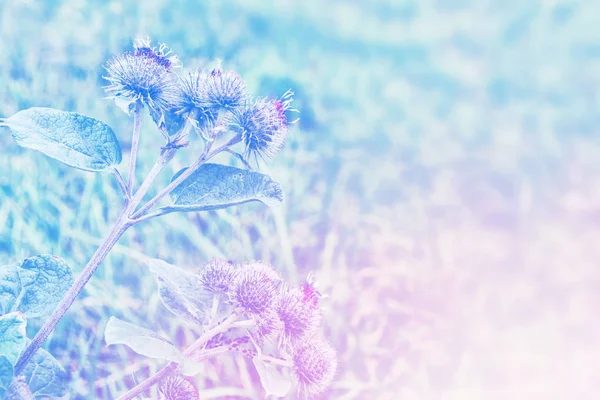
127	218
121	225
192	351
135	140
122	184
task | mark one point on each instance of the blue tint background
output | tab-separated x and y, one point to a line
441	182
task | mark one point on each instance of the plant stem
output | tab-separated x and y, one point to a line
172	366
135	139
277	361
122	184
148	383
121	225
206	155
117	231
222	327
166	156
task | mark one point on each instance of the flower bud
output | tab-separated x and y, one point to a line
298	314
143	75
263	125
254	288
315	364
178	387
217	276
211	91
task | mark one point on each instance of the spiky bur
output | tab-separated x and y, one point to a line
299	313
268	327
263	125
315	364
218	276
178	387
213	90
255	288
143	75
203	95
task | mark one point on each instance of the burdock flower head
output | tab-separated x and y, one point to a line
143	75
211	91
263	125
255	288
177	387
315	364
298	312
218	276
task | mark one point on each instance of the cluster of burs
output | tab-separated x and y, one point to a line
214	100
281	320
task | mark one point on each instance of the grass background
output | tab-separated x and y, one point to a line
440	182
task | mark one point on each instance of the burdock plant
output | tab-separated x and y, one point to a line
243	307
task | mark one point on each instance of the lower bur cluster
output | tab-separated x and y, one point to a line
245	308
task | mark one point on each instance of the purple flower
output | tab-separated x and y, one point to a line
298	313
255	288
143	75
210	92
315	364
268	326
178	387
218	276
263	125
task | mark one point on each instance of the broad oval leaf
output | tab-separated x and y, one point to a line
6	374
181	292
216	186
34	286
13	338
74	139
45	376
141	340
273	381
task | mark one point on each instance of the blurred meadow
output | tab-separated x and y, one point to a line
440	183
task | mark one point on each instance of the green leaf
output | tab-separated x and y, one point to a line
34	286
215	186
142	341
181	292
6	374
74	139
45	376
13	338
273	381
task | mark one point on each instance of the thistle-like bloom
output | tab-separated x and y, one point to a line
315	364
143	75
255	288
299	314
218	276
178	387
268	326
263	125
210	92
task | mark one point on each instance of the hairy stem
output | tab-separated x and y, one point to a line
222	327
135	140
277	361
169	188
122	184
192	351
121	225
117	231
148	383
206	155
166	156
